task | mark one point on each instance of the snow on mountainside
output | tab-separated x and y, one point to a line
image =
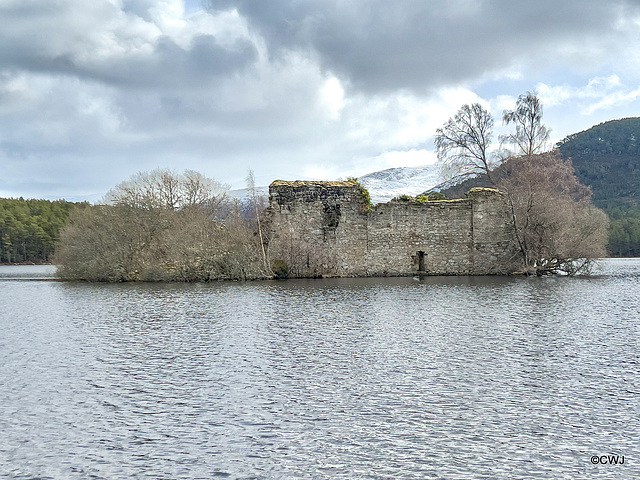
242	193
386	184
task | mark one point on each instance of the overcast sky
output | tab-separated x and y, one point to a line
93	91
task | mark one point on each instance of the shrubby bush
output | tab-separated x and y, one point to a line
420	199
403	198
280	269
557	227
430	197
160	227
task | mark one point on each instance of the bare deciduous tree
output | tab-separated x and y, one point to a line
255	201
161	188
463	142
161	226
109	243
299	257
557	227
531	135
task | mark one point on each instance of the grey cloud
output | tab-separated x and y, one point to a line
63	44
139	8
77	118
171	66
382	45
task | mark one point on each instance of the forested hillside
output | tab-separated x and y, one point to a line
29	229
607	158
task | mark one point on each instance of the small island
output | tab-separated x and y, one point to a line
166	226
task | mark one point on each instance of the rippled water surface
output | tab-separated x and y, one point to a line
443	377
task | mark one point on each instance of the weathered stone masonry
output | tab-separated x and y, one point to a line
326	229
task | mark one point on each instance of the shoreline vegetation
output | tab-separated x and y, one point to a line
165	226
183	227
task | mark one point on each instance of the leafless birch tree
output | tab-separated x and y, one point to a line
531	134
463	142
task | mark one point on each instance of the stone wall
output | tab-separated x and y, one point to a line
327	229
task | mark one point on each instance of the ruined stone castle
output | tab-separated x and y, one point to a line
329	229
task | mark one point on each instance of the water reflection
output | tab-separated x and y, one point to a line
438	377
27	272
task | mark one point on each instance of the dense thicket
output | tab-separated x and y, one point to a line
163	226
29	229
557	227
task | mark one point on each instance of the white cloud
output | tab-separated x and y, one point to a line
600	93
504	102
613	100
422	116
332	98
400	120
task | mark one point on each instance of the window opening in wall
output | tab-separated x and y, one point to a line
421	261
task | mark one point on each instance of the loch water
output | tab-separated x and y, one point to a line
436	377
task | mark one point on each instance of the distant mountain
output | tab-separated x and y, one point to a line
387	184
607	157
457	187
242	193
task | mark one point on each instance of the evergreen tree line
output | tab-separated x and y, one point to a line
624	231
29	229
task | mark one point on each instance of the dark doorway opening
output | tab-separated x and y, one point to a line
421	261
